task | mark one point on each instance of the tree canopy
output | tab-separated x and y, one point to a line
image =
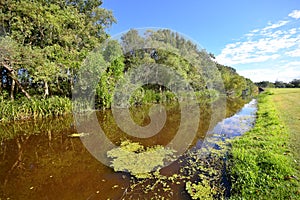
44	42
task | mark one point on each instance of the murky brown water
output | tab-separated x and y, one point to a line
41	161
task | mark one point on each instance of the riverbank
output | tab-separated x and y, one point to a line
23	108
263	161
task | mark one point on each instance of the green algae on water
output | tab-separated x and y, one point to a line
138	160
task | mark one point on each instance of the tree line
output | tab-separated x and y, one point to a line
295	83
208	78
44	43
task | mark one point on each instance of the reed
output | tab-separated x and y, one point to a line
23	108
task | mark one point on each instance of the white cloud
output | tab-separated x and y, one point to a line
258	75
294	53
275	44
285	73
294	65
276	25
295	14
258	49
245	59
293	31
254	31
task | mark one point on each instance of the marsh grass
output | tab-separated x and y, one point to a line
261	163
23	108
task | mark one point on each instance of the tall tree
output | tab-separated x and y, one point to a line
132	41
12	56
59	33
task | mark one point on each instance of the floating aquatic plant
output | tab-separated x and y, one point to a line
201	190
138	160
200	171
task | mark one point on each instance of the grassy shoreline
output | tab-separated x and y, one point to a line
262	163
23	108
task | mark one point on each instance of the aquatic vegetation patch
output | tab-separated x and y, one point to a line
200	170
138	160
206	170
202	190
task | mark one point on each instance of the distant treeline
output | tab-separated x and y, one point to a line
279	84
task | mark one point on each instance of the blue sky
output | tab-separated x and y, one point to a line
260	38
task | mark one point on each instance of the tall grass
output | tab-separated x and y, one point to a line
35	108
261	164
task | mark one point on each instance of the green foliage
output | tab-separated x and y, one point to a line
261	164
34	108
265	84
207	96
279	84
200	172
268	92
50	40
236	85
108	80
144	95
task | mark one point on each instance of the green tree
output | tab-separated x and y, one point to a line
279	84
295	83
132	41
12	57
58	33
113	50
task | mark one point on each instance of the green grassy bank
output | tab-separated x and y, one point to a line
263	161
23	108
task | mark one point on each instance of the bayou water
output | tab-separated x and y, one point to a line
40	160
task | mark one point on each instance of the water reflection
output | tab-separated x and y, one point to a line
239	123
41	161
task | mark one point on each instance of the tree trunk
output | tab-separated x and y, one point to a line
21	87
72	80
12	75
58	86
12	89
46	87
1	80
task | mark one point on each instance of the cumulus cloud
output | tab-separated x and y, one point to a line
275	43
295	14
259	46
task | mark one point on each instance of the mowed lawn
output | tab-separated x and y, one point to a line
287	102
264	162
